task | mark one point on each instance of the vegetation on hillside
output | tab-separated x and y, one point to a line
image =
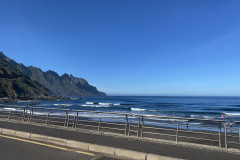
15	84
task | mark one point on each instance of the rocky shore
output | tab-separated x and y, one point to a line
9	99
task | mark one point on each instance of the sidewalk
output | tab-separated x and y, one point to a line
170	150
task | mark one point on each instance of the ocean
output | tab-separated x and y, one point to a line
224	108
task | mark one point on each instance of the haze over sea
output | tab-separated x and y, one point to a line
224	108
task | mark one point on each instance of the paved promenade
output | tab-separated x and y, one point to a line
170	150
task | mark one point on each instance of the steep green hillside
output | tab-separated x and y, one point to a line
16	84
65	85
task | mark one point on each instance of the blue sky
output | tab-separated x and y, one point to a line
130	47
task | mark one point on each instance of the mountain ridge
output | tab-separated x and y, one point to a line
64	85
15	84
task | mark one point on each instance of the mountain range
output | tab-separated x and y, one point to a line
14	84
64	85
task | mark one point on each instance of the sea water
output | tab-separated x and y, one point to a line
215	108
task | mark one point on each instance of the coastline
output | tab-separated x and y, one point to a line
36	98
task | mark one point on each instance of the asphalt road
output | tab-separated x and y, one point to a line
11	149
131	144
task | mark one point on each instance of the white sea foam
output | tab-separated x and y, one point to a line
63	105
11	109
152	110
208	117
40	113
201	116
194	123
232	114
105	103
167	119
89	102
88	105
137	109
94	105
95	115
27	111
193	116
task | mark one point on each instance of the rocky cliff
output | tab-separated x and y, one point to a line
14	84
64	85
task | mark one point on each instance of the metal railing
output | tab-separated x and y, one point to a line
181	129
205	131
39	115
102	121
232	135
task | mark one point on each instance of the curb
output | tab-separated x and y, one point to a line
86	146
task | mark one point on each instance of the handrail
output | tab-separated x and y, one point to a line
102	112
151	116
181	118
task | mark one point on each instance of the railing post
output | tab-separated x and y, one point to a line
47	119
129	129
76	121
30	115
126	124
239	137
138	128
219	134
225	135
142	127
23	118
66	119
177	133
9	114
99	124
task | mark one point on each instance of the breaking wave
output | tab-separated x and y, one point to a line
137	109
